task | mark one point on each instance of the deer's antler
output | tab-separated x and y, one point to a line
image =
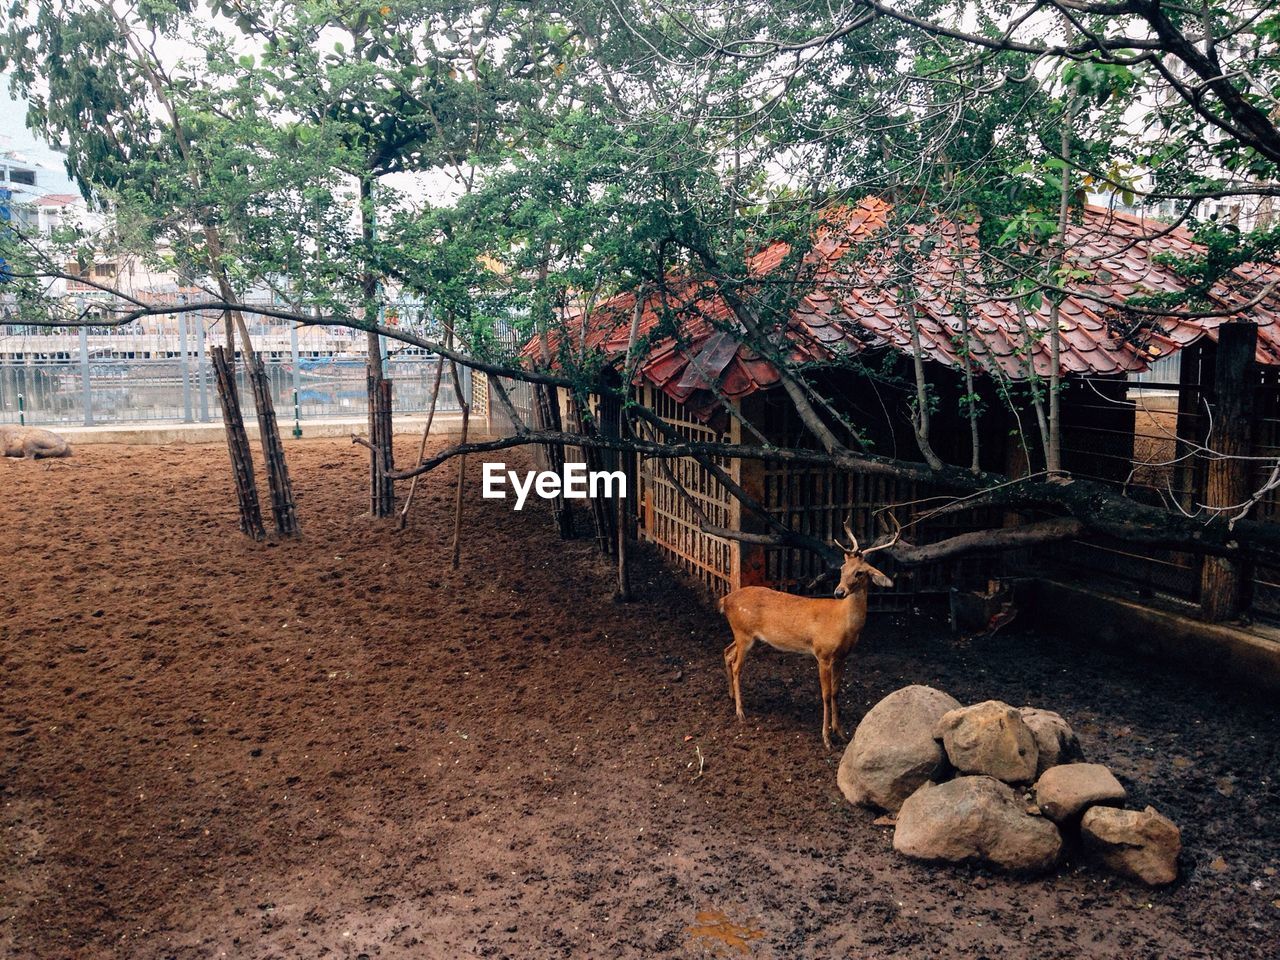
852	539
894	538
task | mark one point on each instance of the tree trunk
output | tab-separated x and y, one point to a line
382	498
237	442
422	447
920	409
238	445
966	355
624	566
462	464
601	517
1053	441
381	488
1223	582
382	494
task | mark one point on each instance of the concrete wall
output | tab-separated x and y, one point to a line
158	433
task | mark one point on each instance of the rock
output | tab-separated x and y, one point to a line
1139	844
1056	742
1066	791
893	751
990	739
977	819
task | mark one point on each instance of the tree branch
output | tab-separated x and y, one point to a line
980	541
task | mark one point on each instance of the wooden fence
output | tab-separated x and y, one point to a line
812	500
1163	464
669	519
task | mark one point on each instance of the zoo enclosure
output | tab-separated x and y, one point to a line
812	500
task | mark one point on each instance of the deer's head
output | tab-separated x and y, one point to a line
856	570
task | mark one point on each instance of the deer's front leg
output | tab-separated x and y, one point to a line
826	681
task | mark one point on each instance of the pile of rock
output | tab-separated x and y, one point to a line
997	785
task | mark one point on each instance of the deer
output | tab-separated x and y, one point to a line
827	628
32	443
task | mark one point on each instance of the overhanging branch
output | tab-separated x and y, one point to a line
990	541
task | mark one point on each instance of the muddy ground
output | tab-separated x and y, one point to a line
341	748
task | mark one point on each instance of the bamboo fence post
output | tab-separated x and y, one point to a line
282	506
238	446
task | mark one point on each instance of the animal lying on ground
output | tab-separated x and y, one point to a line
32	443
828	629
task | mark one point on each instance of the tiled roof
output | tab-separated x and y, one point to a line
855	304
57	200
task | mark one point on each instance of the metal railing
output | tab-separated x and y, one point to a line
80	385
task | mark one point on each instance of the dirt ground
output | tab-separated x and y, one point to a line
341	748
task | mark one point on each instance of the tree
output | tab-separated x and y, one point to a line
163	148
1047	143
392	88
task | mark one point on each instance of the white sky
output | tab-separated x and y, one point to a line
15	136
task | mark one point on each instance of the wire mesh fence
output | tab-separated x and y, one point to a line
1139	436
1154	437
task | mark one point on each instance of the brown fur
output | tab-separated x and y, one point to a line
32	443
829	629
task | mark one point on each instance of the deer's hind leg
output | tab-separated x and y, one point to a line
735	654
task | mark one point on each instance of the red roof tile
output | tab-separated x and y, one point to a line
853	305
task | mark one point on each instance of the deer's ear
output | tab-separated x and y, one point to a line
879	579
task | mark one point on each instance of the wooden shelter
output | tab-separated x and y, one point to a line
853	326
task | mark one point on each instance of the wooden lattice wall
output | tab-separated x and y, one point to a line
486	409
480	399
1145	447
812	500
669	520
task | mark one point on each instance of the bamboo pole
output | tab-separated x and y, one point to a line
282	506
238	448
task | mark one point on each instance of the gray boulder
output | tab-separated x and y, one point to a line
990	739
975	819
1056	742
893	751
1142	845
1066	791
